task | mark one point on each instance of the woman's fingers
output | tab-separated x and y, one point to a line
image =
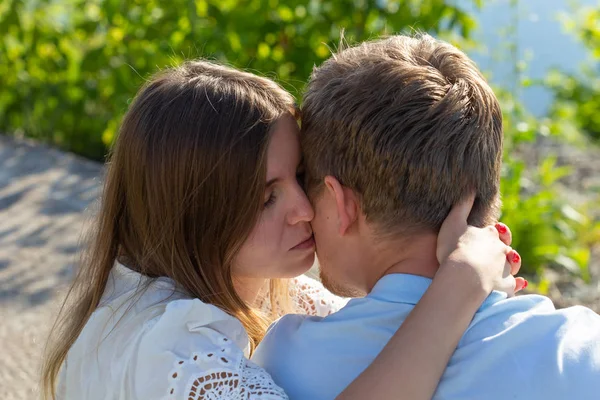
461	211
520	284
504	233
509	284
453	227
456	221
513	265
514	259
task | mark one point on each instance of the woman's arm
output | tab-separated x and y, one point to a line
473	262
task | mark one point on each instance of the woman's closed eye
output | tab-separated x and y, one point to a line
270	201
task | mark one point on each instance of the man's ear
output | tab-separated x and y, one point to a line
345	201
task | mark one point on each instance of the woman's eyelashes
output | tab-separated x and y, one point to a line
270	201
300	176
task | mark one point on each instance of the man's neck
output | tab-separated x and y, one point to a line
414	256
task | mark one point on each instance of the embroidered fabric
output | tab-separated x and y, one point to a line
309	297
221	372
171	346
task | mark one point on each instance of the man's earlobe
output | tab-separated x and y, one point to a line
345	201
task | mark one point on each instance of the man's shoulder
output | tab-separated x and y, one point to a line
523	337
280	335
532	323
533	305
297	336
288	324
535	309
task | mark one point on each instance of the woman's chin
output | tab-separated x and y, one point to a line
297	268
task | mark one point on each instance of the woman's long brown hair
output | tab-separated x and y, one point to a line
183	189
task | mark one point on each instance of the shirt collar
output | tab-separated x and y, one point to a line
408	289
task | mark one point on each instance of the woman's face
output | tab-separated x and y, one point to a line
281	244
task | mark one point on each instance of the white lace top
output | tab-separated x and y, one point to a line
146	340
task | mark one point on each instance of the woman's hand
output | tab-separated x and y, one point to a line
482	255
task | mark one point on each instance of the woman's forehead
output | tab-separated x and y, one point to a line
284	148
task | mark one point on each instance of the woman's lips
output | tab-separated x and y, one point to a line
307	244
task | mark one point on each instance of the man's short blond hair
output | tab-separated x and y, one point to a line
411	125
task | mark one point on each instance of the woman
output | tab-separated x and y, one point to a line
193	249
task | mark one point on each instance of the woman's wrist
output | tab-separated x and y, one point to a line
458	275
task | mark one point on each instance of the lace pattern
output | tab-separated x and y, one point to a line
221	373
309	297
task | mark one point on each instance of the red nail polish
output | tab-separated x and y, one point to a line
501	228
516	257
525	284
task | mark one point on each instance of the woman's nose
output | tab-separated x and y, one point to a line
302	210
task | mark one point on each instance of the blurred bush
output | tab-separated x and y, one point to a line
69	67
578	94
548	229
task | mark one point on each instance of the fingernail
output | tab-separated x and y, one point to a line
525	283
516	258
501	227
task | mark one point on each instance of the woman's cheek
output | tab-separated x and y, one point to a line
276	231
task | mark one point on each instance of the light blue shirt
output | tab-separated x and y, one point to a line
518	348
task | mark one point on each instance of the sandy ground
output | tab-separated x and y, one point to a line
43	197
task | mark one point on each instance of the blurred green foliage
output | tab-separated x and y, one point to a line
548	229
578	95
68	69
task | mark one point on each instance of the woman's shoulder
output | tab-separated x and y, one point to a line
189	326
194	351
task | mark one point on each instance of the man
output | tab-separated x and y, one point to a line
395	132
